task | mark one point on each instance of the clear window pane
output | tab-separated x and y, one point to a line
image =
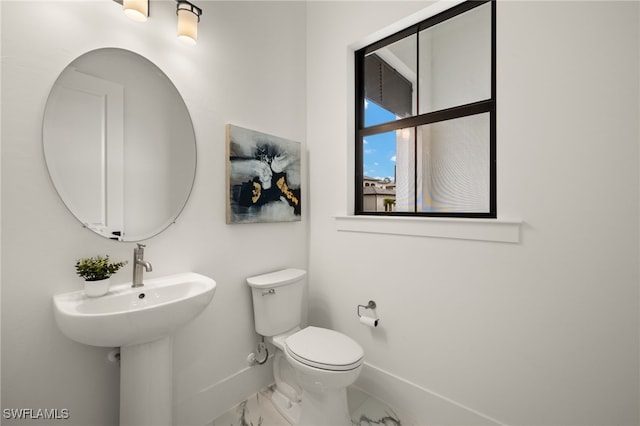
455	61
389	177
454	165
390	80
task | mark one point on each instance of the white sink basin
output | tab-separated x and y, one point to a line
128	316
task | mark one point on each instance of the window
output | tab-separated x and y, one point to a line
425	118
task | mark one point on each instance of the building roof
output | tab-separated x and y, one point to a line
373	190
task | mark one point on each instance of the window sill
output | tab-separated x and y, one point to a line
495	230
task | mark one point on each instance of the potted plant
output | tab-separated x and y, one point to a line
96	272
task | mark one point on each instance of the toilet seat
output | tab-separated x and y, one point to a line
325	349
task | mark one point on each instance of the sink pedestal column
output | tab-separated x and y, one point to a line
146	383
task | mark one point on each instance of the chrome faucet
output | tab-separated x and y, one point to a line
138	264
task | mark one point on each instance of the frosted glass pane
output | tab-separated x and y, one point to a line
455	61
454	165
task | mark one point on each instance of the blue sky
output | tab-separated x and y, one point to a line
379	150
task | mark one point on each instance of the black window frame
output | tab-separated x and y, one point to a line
479	107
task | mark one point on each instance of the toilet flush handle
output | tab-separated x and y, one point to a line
269	292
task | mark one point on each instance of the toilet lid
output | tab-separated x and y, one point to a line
323	348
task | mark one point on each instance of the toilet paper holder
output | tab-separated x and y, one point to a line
370	305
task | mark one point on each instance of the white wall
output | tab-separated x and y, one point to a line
248	69
541	332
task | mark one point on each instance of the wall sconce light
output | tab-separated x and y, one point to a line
138	10
188	18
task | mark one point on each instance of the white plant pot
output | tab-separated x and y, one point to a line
96	288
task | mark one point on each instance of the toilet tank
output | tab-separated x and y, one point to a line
277	300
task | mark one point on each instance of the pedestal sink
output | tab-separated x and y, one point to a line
141	322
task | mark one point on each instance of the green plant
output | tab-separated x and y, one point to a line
97	268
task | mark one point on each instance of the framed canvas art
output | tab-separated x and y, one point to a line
263	177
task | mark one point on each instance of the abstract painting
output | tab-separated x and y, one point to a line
263	177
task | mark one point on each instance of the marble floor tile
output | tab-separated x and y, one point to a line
373	412
259	411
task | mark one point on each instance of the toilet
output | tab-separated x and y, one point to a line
312	366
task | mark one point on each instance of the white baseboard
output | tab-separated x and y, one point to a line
212	401
417	405
414	404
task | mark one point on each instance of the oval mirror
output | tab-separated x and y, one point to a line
119	144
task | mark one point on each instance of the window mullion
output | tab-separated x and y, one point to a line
415	129
431	117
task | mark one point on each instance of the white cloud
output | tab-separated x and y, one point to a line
393	159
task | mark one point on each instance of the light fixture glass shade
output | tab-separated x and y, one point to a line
138	10
187	25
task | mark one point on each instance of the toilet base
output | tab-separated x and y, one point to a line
287	409
286	395
328	408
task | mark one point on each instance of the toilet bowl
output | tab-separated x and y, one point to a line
324	362
312	368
